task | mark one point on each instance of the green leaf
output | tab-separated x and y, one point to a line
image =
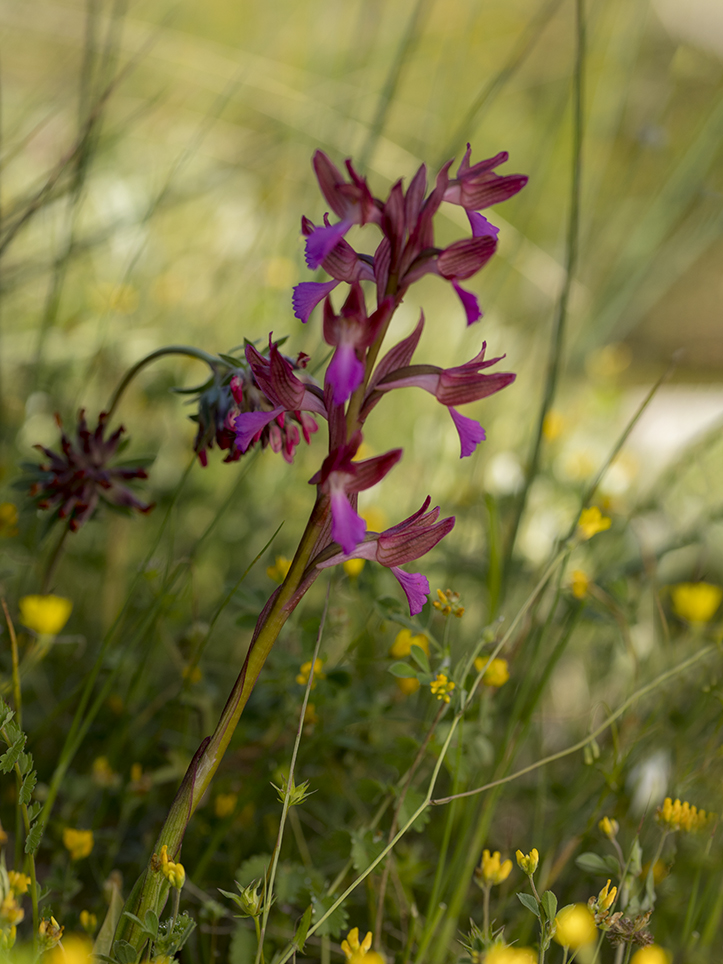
412	801
10	757
402	670
243	945
34	809
530	903
420	658
335	922
151	923
35	835
635	864
365	848
124	952
27	787
549	905
254	868
303	929
25	762
595	864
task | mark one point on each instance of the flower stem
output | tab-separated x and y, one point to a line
53	561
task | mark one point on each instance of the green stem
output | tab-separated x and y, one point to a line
53	561
212	360
554	364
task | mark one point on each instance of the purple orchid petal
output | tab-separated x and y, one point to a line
469	303
323	240
415	586
470	432
481	227
249	424
345	373
308	295
347	528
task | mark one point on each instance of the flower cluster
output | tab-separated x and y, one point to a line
12	885
442	687
270	399
74	481
681	816
448	603
174	872
78	843
492	869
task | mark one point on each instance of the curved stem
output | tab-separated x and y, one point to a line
188	350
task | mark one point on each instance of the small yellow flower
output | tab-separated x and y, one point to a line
174	872
653	954
104	774
441	687
510	955
592	521
78	843
609	827
528	862
579	583
696	602
311	717
448	603
45	614
402	645
356	952
11	913
496	674
353	567
225	804
606	897
681	816
192	673
553	425
88	921
19	883
305	671
49	932
376	519
407	684
75	949
575	927
279	570
492	870
8	520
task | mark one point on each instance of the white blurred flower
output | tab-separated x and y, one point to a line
648	782
503	475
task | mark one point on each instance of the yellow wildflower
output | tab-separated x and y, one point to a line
192	673
104	774
592	521
376	519
174	872
140	782
75	949
448	603
280	568
402	645
407	684
49	932
45	614
496	674
88	921
575	927
353	567
492	870
609	827
19	883
305	671
553	425
579	583
681	816
78	843
528	862
225	804
310	715
11	913
441	687
606	897
510	955
8	520
356	952
696	602
652	954
660	871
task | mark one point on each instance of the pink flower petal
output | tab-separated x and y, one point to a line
470	432
415	586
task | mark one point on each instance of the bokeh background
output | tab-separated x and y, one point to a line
179	222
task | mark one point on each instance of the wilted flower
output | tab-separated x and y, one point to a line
681	816
447	603
575	927
442	687
496	674
492	870
696	602
75	481
49	932
78	843
45	614
528	862
592	521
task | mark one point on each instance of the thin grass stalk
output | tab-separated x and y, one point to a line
559	329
